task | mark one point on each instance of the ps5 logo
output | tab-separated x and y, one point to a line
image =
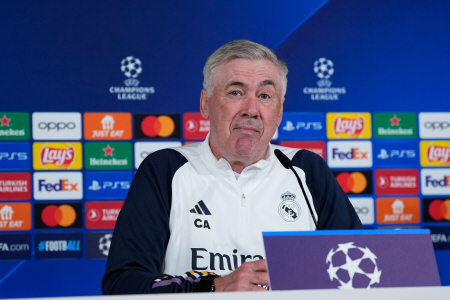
13	156
302	126
113	185
384	154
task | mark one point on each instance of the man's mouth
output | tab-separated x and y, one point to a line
247	129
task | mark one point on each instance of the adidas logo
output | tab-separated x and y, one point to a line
200	208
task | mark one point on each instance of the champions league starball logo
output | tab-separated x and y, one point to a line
324	68
353	267
131	68
288	209
104	243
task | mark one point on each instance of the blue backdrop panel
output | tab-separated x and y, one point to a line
66	57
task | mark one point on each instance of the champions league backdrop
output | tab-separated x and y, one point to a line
90	88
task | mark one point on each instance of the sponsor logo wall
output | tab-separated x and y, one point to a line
72	170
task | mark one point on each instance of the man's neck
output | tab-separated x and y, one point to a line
239	164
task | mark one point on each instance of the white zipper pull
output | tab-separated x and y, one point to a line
243	202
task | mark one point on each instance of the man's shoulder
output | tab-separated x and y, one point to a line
171	157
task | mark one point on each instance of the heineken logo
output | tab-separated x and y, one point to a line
108	156
14	126
395	125
5	121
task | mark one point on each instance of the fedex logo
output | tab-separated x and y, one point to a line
442	182
354	153
435	181
57	185
349	154
302	126
63	185
108	185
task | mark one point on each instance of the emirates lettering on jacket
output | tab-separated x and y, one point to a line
202	259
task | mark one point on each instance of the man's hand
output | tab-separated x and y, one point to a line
245	278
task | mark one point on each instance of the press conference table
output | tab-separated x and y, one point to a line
380	293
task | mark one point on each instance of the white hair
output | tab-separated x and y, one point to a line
241	49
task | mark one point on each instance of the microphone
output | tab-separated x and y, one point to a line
287	163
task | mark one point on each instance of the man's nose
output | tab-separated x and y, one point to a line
250	107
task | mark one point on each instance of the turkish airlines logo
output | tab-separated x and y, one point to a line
102	215
15	186
316	147
195	126
397	181
61	215
57	156
349	125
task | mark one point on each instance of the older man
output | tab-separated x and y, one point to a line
199	210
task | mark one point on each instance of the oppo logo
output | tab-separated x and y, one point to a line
361	210
144	154
56	126
437	125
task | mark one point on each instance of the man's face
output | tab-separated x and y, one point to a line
244	110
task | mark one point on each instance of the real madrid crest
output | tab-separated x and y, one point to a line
288	209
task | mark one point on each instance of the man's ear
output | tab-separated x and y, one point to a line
204	104
280	116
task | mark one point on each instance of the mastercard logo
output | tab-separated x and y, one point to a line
162	126
354	182
440	210
63	215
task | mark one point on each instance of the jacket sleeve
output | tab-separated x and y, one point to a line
142	233
333	208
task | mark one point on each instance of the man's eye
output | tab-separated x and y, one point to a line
234	93
265	96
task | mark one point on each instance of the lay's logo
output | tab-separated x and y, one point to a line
435	153
57	156
349	126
